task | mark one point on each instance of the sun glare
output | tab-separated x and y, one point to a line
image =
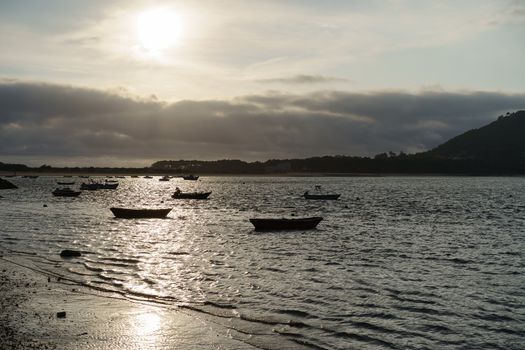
158	30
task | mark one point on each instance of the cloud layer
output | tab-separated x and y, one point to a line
51	123
303	79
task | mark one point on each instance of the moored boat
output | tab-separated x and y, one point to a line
178	194
270	224
65	183
126	213
65	192
165	178
6	185
109	185
308	195
190	177
93	186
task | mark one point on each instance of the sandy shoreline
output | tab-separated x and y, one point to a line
30	301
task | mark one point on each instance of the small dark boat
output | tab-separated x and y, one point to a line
65	183
286	224
92	186
165	178
125	213
6	185
190	177
190	195
65	192
84	176
307	195
109	185
148	177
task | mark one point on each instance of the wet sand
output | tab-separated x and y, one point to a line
30	301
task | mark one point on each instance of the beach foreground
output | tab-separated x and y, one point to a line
30	301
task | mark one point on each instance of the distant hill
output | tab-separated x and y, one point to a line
499	145
13	167
503	138
497	148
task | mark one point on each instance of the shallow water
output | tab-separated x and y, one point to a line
398	263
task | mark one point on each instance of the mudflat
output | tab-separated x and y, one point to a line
39	311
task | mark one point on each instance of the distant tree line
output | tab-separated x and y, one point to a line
384	163
13	167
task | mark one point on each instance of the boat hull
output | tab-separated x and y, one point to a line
99	186
66	194
322	196
109	186
286	224
90	187
125	213
191	195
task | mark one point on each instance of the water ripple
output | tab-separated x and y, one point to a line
430	262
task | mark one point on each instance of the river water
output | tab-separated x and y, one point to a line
397	262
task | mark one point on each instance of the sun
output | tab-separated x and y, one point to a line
158	30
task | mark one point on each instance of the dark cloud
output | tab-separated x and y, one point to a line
513	14
303	79
53	122
519	12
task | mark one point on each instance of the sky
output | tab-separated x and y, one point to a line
127	83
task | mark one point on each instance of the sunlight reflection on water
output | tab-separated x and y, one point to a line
147	324
414	263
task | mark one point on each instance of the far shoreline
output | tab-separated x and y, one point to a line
160	173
